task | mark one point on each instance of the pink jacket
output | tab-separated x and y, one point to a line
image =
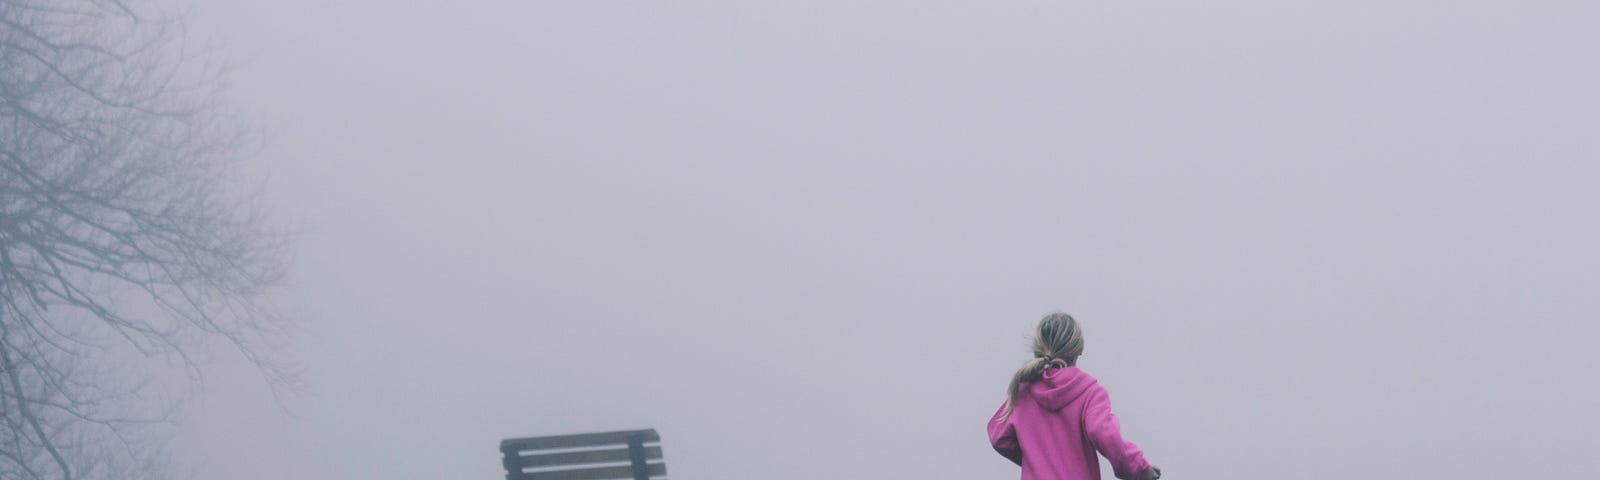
1058	424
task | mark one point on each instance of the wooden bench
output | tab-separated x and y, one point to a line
585	456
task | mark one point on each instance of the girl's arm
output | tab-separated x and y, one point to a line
1127	460
1003	436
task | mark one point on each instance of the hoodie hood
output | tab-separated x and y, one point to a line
1060	386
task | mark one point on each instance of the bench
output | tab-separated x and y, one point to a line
585	456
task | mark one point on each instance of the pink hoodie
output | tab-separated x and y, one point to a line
1057	425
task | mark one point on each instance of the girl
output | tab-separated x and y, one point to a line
1056	416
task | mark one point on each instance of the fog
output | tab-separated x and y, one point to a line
808	240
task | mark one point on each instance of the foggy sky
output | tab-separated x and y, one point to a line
807	240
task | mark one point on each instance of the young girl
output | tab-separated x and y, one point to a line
1056	416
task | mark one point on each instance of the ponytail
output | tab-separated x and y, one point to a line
1057	343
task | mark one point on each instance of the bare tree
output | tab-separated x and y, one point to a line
120	235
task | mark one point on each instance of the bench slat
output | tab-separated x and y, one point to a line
579	440
569	458
604	473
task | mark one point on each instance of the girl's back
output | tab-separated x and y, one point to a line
1062	420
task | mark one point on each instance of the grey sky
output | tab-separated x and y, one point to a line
807	239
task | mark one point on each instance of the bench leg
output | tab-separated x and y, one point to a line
641	470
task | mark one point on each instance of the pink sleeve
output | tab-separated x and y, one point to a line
1127	460
1003	436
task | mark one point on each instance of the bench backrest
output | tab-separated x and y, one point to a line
632	454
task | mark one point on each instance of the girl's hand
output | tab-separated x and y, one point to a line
1152	474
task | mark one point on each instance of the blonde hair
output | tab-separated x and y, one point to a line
1056	342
